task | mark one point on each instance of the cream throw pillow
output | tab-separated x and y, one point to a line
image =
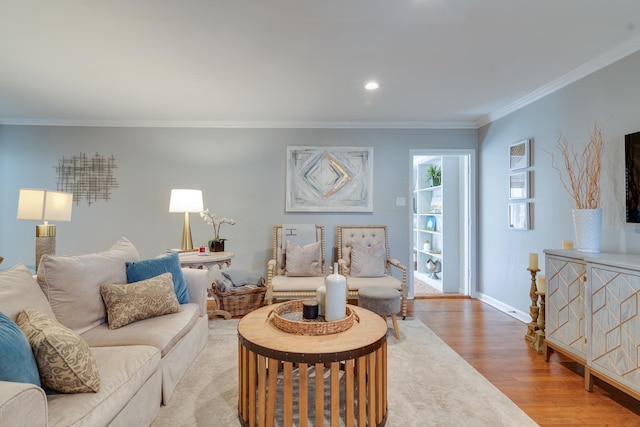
139	300
72	283
64	359
303	261
368	261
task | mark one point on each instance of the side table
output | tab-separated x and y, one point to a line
208	261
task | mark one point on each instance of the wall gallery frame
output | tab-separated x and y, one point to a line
519	216
329	179
519	155
519	185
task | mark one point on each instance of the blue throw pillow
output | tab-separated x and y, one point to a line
142	270
17	363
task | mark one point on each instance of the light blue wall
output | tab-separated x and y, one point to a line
240	171
611	97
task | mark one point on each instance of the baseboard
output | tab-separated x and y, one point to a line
517	314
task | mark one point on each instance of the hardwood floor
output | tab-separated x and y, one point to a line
552	393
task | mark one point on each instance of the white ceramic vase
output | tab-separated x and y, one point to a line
588	227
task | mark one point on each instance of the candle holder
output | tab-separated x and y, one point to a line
538	342
534	310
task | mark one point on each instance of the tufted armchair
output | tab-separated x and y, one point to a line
371	242
284	286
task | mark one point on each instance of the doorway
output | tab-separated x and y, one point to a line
443	223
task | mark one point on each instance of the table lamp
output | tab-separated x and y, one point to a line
44	205
183	200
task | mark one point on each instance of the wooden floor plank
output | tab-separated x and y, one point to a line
551	393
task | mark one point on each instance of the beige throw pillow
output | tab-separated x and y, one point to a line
139	300
368	261
72	283
64	359
303	261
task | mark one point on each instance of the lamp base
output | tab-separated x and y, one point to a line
45	245
187	241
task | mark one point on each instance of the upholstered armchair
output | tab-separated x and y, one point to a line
363	257
298	271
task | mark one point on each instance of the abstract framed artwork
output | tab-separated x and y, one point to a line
519	185
329	179
519	155
519	216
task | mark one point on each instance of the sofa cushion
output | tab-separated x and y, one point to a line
72	283
19	290
63	357
139	300
161	332
18	363
124	371
303	261
368	261
149	268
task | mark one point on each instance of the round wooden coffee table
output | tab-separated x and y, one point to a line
276	366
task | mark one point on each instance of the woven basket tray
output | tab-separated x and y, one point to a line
286	316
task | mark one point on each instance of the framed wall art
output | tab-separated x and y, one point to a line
519	185
329	179
519	155
519	216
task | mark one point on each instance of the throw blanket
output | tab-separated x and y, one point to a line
300	234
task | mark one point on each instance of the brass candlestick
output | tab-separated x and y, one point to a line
534	310
538	342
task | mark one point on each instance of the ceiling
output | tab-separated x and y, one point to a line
297	63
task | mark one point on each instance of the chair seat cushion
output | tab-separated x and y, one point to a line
288	284
356	283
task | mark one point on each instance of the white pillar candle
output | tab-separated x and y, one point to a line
336	306
567	244
542	285
321	296
533	261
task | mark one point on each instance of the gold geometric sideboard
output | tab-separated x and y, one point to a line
592	315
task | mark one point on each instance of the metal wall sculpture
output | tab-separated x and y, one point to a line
89	179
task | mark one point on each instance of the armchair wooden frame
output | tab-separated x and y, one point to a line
294	287
369	234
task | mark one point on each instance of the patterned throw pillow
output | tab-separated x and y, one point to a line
64	359
304	261
368	261
139	300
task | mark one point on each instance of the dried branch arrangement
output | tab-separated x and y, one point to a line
582	180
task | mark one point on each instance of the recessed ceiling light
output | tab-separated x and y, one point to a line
371	85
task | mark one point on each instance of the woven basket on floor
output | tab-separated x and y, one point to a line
242	301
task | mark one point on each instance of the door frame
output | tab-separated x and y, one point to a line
470	240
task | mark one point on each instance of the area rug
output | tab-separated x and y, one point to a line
429	384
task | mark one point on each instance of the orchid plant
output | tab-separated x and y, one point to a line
212	219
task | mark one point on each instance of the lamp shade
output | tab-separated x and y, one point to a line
38	205
186	201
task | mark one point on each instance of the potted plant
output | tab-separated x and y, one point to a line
217	243
582	182
434	174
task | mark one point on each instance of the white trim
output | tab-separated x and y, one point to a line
576	74
517	314
239	124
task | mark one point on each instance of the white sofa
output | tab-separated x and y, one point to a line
139	364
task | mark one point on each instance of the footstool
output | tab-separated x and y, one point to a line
383	301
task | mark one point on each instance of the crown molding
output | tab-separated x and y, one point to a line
240	124
596	64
